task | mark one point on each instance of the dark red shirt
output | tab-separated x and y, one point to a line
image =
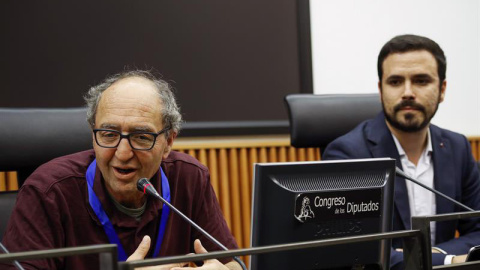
52	211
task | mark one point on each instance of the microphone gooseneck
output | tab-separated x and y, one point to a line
146	187
401	173
15	263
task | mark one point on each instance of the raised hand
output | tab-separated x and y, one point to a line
142	251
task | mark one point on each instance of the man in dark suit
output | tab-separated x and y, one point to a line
412	84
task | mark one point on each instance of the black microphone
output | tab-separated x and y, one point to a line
15	263
146	187
401	173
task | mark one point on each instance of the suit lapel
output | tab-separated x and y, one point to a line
382	145
443	173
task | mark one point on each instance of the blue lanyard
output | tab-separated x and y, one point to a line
107	225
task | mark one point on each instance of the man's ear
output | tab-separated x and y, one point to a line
443	88
168	147
380	91
93	139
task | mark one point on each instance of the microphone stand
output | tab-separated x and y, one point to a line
144	185
15	263
406	176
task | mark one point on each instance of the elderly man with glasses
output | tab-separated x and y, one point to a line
91	197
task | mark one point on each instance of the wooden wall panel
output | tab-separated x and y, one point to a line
245	195
230	161
3	181
8	181
224	191
475	143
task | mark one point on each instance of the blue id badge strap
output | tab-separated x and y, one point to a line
165	213
105	221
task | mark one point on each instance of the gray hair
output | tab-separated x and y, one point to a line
171	116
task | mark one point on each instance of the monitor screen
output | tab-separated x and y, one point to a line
305	201
219	56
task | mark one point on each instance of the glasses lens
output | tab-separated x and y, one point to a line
142	140
107	138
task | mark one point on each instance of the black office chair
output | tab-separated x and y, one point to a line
316	120
7	201
31	137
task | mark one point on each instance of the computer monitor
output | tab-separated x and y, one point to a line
305	201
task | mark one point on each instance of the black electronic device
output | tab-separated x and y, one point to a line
473	254
190	43
304	201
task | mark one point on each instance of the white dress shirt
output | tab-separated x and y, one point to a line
422	201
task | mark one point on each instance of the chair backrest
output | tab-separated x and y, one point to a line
31	137
316	120
7	201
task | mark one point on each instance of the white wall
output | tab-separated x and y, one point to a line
348	34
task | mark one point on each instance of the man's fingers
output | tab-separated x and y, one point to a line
141	250
208	264
163	267
199	249
167	266
459	259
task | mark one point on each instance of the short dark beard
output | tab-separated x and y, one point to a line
409	128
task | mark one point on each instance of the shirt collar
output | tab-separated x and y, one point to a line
152	210
428	150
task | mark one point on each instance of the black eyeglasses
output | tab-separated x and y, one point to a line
108	138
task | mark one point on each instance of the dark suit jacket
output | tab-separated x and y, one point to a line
455	174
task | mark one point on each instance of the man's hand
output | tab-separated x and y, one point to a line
456	259
459	259
142	251
209	264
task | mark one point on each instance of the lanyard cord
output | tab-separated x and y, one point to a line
105	221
